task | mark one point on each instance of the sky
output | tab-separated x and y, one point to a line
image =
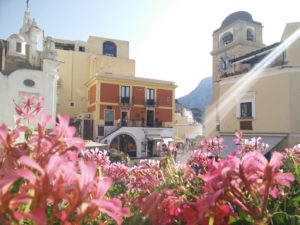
169	39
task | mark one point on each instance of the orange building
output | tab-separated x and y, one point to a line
107	102
121	104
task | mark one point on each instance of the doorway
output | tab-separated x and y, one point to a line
150	148
150	118
124	143
88	126
124	118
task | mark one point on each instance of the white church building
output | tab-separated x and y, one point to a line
29	65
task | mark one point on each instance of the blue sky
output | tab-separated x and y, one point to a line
169	39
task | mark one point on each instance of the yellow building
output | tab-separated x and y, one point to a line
186	128
255	87
84	60
98	89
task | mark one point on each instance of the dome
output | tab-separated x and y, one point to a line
239	15
16	36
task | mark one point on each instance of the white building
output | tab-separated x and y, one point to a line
26	69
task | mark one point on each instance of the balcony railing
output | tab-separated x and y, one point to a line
150	102
138	123
124	100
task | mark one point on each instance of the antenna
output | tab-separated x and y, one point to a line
27	2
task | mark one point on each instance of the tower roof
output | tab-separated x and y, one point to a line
239	15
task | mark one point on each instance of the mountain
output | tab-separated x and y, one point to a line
199	97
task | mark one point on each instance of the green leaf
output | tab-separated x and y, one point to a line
282	218
232	219
298	178
16	186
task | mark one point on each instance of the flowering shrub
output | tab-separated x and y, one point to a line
50	178
42	179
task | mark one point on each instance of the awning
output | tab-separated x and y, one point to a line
92	144
272	141
167	140
191	136
154	137
179	140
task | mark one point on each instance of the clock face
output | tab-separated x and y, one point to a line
224	64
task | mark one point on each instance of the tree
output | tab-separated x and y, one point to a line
197	114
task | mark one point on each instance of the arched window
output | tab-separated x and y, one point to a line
250	35
227	38
109	49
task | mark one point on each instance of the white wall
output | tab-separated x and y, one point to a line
12	86
139	135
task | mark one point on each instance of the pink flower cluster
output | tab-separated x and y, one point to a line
231	178
294	153
246	145
51	172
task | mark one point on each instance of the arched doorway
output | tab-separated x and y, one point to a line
124	143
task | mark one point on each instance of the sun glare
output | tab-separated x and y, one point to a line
246	82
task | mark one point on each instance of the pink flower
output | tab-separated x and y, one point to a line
294	153
253	174
117	171
30	108
213	145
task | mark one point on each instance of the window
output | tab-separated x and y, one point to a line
64	46
150	96
29	83
245	106
246	110
100	131
19	47
109	118
81	49
109	49
125	94
284	57
72	104
227	38
250	36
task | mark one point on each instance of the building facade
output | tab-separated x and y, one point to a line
186	128
106	101
255	87
28	65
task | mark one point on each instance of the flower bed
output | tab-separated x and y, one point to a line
50	178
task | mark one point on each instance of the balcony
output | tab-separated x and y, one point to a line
144	123
150	102
124	101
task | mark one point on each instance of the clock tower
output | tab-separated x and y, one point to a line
238	35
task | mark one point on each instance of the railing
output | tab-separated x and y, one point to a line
138	123
108	130
235	73
124	101
150	102
246	70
